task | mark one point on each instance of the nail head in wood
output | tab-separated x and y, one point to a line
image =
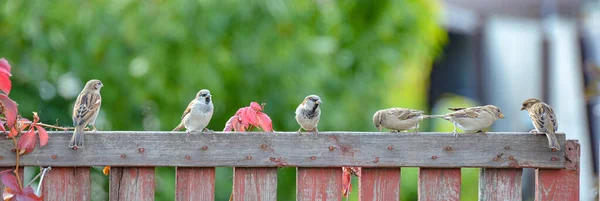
331	148
313	158
188	157
511	158
554	158
249	157
123	155
390	147
141	150
507	147
434	157
263	146
53	156
376	160
204	148
448	148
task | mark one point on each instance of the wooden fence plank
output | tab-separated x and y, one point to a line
379	184
319	184
328	149
500	184
560	185
254	184
67	184
131	184
195	184
439	184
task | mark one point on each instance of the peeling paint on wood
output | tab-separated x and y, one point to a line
560	185
328	149
500	184
319	184
131	184
67	184
255	184
439	184
195	184
379	184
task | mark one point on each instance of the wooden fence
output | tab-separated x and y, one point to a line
256	156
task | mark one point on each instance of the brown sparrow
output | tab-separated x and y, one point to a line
398	119
308	113
85	111
543	119
472	119
198	113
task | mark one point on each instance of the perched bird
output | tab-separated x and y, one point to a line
198	113
543	120
85	111
308	113
398	119
472	119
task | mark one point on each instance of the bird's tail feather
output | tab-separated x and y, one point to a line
553	141
179	127
77	138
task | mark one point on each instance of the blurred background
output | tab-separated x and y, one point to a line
359	56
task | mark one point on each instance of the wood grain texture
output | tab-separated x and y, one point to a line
254	184
195	184
560	185
319	184
439	184
500	184
67	184
379	184
131	184
328	149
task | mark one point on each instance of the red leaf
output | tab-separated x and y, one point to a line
2	126
238	125
5	84
10	181
28	195
346	181
265	122
229	124
8	194
4	67
26	142
9	108
249	115
13	132
43	135
255	106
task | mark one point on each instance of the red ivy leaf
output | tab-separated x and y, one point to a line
238	125
5	84
2	126
249	115
13	132
10	181
28	195
9	109
26	142
265	122
346	181
8	194
43	135
255	106
229	124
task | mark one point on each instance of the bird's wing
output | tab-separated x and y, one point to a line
187	109
472	112
86	107
543	117
404	114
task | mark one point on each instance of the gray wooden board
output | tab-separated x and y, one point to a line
327	149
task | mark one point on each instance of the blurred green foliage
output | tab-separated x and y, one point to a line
153	56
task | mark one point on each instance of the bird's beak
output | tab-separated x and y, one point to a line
522	108
318	102
101	85
501	115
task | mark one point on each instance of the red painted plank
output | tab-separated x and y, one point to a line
500	184
379	184
319	184
439	184
131	183
68	184
255	184
561	184
195	184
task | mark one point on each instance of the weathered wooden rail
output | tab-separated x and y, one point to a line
256	156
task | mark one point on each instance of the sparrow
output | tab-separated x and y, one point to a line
198	113
543	119
472	119
398	119
85	111
308	114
